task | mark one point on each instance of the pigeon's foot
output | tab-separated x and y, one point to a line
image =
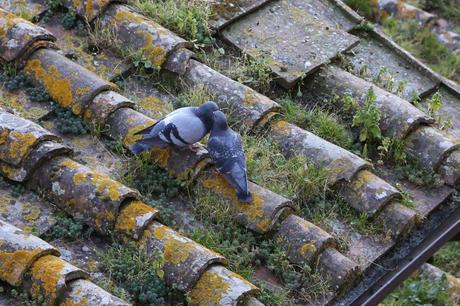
193	147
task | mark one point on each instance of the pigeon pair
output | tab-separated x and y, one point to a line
188	125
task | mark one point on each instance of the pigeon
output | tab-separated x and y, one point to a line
226	150
183	127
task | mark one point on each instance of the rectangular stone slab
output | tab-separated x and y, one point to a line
376	52
334	12
226	11
293	42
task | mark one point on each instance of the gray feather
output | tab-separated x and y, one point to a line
226	151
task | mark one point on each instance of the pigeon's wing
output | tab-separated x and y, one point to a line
227	152
220	148
186	127
148	130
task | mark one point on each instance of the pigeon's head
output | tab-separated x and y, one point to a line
205	111
220	121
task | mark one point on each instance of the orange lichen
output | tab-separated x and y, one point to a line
209	289
13	265
69	302
30	213
76	3
127	221
156	54
46	272
58	87
4	135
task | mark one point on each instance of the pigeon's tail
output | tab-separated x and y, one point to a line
245	197
238	179
144	144
138	148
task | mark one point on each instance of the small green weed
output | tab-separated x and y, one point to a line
434	105
141	273
416	173
67	228
318	121
23	298
268	167
247	70
367	119
188	18
68	123
423	44
193	97
151	180
447	258
364	7
421	291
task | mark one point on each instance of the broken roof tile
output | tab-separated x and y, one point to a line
18	251
19	37
303	42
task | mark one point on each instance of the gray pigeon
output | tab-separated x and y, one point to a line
183	127
226	150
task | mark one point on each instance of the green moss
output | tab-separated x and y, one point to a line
67	228
141	273
188	18
423	44
249	71
363	7
318	121
68	123
447	258
421	291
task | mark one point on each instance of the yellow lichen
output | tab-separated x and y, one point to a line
102	183
30	213
102	217
89	8
70	164
281	127
176	252
209	289
13	265
157	107
307	248
83	91
253	211
129	139
250	97
69	302
127	220
160	232
58	87
18	144
46	272
161	156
